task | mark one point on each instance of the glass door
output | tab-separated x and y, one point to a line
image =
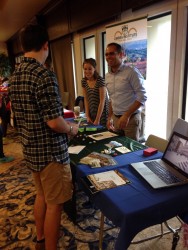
185	88
157	79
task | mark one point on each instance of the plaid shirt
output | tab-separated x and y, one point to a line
35	100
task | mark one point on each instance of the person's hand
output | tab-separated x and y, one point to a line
123	122
110	124
73	129
89	120
96	122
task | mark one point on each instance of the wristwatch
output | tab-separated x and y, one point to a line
71	129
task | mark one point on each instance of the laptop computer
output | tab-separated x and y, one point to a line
171	169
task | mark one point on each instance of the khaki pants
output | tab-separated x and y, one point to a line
133	128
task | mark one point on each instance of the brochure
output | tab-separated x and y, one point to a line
123	150
104	180
97	160
75	149
102	136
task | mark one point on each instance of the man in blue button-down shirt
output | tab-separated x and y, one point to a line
126	91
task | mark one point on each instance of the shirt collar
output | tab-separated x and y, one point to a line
30	60
121	67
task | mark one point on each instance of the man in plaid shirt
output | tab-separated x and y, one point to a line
38	111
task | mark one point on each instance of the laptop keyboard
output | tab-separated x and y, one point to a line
164	174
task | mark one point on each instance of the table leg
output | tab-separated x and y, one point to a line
162	233
176	238
101	231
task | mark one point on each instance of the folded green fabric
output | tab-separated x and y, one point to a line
81	130
91	129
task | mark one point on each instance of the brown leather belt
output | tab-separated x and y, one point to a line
118	116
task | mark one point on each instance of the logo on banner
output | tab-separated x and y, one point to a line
125	34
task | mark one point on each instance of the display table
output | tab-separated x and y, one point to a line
98	146
91	146
136	206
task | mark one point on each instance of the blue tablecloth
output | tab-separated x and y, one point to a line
136	206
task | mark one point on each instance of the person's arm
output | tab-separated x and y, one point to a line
124	120
59	125
110	113
137	83
102	96
86	104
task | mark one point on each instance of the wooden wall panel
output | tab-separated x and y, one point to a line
83	14
57	21
137	4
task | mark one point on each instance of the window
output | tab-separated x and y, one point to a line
185	89
89	47
159	34
104	63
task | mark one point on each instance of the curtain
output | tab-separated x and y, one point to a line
63	66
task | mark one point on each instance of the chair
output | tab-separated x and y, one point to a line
156	142
80	102
181	126
65	99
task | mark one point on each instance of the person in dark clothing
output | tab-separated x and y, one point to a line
5	107
5	113
3	158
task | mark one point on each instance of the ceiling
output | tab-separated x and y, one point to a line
14	14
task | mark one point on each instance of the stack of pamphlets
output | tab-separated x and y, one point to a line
96	160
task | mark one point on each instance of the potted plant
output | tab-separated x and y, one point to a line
5	66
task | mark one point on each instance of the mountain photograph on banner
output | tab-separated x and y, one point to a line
133	38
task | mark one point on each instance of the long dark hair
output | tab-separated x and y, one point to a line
94	64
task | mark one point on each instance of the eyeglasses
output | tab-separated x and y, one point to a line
111	53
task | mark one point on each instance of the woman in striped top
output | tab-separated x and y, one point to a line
95	94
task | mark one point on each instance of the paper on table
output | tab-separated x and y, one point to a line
95	159
108	179
123	150
103	135
75	149
108	176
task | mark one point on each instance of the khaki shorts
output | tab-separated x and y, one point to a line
54	182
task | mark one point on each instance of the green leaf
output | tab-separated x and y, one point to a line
5	66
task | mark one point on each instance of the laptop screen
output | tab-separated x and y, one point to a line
176	153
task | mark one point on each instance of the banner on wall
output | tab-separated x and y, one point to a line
132	36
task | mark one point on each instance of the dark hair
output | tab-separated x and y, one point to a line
80	102
118	47
5	79
33	37
94	64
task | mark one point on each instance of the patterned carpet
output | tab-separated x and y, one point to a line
17	230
